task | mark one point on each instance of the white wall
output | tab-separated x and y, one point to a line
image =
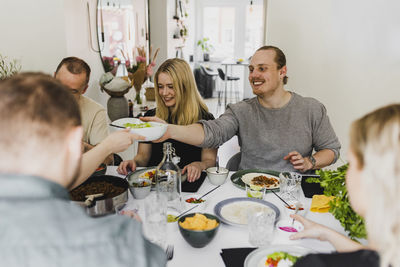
344	53
42	32
77	39
158	28
33	32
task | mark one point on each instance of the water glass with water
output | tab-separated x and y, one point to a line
261	227
155	226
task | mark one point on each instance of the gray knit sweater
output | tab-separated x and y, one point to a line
267	135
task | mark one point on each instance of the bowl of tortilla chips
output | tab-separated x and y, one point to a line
198	229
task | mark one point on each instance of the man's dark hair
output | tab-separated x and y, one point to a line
75	66
280	58
35	105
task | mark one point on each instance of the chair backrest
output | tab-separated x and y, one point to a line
234	161
208	71
221	73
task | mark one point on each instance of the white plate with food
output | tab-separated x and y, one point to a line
267	178
148	173
150	130
285	255
233	211
261	179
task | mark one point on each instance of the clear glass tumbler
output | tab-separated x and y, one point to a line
155	225
290	186
261	227
255	191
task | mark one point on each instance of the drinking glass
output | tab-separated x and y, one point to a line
261	227
155	226
255	192
290	186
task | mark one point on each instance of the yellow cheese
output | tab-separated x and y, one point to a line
320	203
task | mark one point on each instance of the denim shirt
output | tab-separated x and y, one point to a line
39	226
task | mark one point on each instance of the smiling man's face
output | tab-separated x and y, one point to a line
264	76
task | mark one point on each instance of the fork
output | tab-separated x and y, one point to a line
170	252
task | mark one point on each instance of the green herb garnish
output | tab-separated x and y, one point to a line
137	125
334	184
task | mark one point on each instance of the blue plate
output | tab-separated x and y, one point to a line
220	205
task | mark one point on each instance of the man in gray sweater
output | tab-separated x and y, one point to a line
277	129
41	149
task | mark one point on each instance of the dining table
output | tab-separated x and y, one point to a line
230	236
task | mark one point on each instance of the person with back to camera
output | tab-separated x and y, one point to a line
276	130
178	102
374	168
41	149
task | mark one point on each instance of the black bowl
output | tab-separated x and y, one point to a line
199	239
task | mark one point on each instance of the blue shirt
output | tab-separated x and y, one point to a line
39	226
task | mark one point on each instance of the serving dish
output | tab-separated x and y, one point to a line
258	257
236	178
154	132
110	191
198	238
147	173
241	205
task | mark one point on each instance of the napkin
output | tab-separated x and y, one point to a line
194	186
234	257
320	203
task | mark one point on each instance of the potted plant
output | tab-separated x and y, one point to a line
205	47
8	68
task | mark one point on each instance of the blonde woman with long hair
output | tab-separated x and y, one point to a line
373	184
178	102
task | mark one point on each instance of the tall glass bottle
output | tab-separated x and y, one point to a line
168	177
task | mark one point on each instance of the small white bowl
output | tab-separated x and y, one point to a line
217	178
151	133
200	206
288	223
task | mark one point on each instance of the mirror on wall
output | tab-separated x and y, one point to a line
121	27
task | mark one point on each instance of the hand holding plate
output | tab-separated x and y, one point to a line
166	135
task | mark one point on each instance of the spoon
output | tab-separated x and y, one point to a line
183	213
90	198
297	204
287	204
208	192
217	165
117	126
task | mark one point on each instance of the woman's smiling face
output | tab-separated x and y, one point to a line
166	89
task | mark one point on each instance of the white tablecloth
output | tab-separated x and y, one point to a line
230	236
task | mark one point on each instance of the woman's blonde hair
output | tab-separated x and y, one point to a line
189	104
375	142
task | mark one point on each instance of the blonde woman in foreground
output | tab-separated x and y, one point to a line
373	184
178	102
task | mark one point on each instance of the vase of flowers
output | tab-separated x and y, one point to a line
139	71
